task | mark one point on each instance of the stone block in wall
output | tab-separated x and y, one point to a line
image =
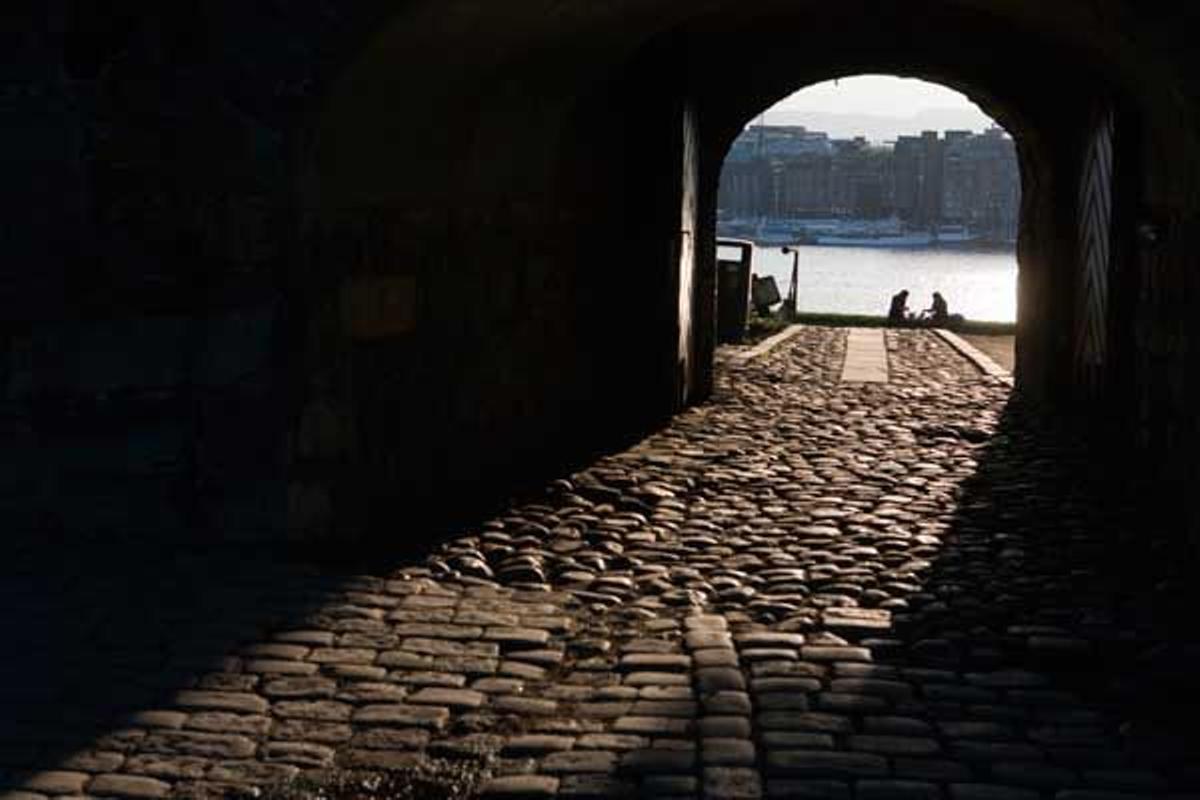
379	307
325	431
43	225
141	422
241	462
16	369
309	510
241	432
150	448
236	345
247	511
148	507
23	468
93	358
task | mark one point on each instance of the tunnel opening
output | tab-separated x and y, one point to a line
839	222
333	221
570	219
545	212
445	248
931	213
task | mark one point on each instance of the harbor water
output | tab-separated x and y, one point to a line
980	285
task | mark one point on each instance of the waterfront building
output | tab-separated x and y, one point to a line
958	178
908	171
806	186
929	211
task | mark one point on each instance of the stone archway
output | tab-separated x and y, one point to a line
1027	140
460	223
557	167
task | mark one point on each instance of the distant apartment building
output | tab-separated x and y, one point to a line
746	189
955	178
929	210
860	182
776	171
997	195
807	185
958	177
778	142
908	171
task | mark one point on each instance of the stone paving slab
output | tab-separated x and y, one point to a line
866	357
804	588
745	354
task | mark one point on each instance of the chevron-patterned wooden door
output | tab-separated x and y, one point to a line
1096	256
1095	251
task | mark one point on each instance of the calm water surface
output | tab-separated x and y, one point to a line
852	280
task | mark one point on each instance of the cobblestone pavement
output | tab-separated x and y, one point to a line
800	589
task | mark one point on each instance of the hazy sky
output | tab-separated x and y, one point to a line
878	107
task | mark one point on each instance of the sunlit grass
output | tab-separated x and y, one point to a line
759	328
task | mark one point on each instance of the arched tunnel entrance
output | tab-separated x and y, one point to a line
846	194
549	219
322	273
1046	216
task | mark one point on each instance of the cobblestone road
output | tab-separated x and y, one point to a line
801	589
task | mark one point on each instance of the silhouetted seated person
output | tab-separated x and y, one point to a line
898	312
938	315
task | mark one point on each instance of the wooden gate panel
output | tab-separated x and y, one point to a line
1095	253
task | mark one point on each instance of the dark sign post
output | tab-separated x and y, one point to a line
789	305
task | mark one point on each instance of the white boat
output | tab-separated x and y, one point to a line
954	234
880	240
775	239
775	234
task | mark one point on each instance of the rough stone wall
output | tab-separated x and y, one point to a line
147	229
1042	97
1157	384
541	319
196	337
310	268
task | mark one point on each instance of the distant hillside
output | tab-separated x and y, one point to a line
879	127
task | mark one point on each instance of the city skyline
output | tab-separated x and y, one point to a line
879	108
939	178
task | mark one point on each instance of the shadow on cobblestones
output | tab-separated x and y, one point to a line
100	634
1054	634
801	589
